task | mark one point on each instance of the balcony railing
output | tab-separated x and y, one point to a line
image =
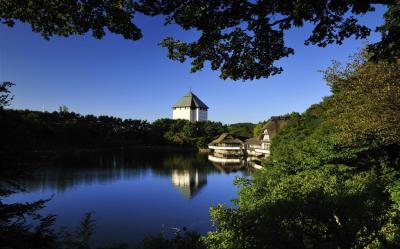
213	147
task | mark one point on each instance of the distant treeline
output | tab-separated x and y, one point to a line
33	130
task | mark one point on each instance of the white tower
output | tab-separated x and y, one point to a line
190	107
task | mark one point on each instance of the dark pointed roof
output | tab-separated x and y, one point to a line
190	100
227	139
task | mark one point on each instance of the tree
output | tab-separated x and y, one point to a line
330	207
15	231
242	39
71	17
181	240
5	97
258	128
366	100
332	179
244	130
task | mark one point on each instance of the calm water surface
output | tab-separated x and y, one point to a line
132	193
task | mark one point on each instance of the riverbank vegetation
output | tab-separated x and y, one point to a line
34	130
333	178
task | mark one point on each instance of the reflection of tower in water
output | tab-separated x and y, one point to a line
188	182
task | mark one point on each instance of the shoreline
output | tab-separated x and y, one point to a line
44	155
108	148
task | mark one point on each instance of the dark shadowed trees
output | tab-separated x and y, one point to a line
33	130
16	219
5	96
15	231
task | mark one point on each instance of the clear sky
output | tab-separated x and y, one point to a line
136	80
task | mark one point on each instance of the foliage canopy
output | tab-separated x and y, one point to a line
333	178
33	130
242	39
5	97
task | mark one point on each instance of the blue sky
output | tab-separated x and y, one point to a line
136	80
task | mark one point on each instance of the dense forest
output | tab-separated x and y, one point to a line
34	130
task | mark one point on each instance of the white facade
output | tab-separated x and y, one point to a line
265	142
191	108
188	113
182	113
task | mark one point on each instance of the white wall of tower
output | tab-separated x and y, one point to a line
187	113
181	113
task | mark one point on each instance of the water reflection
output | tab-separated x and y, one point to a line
229	168
188	171
234	164
132	193
188	182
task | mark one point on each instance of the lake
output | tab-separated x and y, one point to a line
132	193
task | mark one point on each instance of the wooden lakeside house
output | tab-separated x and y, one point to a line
226	149
260	146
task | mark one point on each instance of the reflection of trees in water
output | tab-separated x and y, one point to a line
64	178
68	170
246	167
229	167
194	161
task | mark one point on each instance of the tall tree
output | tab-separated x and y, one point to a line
5	96
242	39
15	231
366	100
